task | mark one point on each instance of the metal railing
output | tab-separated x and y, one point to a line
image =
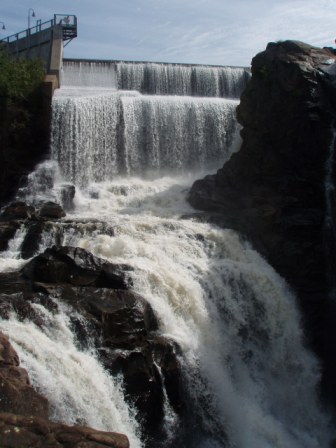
67	22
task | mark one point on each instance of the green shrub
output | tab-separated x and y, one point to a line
19	78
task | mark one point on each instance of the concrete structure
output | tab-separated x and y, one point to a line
44	41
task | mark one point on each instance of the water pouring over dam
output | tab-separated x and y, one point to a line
132	138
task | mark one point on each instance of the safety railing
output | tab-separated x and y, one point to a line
68	23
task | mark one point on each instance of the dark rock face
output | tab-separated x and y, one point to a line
273	189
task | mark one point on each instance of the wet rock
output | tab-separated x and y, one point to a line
124	317
29	431
151	375
17	211
16	393
51	210
76	266
12	282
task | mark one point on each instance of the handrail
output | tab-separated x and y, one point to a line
64	20
29	31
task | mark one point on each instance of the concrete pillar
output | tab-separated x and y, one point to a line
56	52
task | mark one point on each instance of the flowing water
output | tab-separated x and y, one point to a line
251	382
157	79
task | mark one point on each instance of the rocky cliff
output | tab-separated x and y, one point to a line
278	189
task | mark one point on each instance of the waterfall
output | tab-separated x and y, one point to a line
178	79
96	138
81	73
156	78
250	381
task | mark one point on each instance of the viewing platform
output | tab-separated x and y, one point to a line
44	41
67	23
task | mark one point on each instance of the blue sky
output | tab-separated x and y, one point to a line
220	32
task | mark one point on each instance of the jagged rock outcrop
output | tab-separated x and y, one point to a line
274	189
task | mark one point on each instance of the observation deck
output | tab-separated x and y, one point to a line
44	41
67	23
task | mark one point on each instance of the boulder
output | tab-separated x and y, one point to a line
51	210
78	267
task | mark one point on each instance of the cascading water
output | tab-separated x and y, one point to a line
157	79
250	381
128	133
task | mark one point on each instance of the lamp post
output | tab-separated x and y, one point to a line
3	26
30	10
